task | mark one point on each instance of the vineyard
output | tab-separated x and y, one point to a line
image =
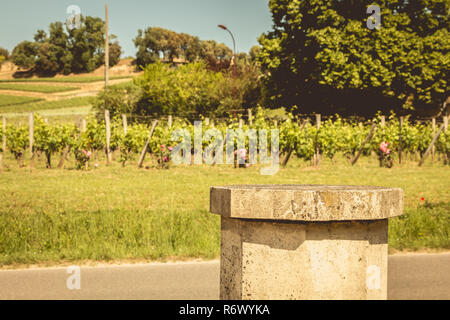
297	137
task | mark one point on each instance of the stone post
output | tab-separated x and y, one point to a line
304	241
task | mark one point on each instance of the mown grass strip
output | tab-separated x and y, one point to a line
35	88
123	85
8	100
47	105
70	79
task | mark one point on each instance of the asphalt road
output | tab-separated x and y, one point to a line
412	276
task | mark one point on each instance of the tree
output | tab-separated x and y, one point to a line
322	57
65	51
40	36
186	91
115	51
119	100
87	44
4	53
216	55
151	44
155	43
190	47
254	52
25	54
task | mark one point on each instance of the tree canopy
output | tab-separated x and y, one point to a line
155	43
186	91
321	56
65	50
4	53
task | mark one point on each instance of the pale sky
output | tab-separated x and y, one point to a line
247	19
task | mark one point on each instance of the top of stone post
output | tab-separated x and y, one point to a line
306	202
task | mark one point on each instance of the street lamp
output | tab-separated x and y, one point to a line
221	26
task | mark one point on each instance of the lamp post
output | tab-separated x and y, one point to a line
221	26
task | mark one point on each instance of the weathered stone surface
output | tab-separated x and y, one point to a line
266	260
304	241
306	202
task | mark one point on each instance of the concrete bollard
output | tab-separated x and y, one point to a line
304	241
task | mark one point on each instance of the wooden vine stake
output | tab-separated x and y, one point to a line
144	151
400	141
108	138
3	154
316	159
368	137
125	124
446	154
425	155
63	157
31	137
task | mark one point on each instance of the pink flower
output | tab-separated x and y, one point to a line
243	153
96	165
88	154
163	147
383	147
170	148
166	159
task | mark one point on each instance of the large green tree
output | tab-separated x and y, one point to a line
186	91
25	54
321	55
67	50
155	43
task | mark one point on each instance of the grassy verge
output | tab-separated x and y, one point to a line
127	213
8	100
426	226
36	88
106	235
69	79
48	105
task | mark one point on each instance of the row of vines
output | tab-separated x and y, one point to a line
296	137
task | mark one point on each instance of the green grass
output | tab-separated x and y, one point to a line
69	79
47	105
8	100
36	88
129	213
427	225
123	85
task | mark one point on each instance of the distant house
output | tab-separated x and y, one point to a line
176	62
